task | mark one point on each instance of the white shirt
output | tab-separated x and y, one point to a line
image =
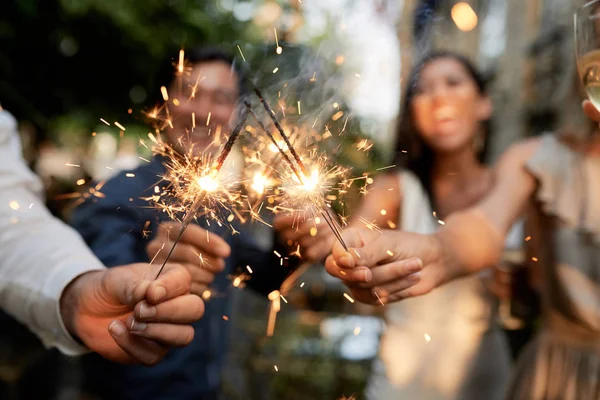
39	254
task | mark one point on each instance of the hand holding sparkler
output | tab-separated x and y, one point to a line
377	269
312	235
201	252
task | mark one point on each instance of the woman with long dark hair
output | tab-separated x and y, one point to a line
445	345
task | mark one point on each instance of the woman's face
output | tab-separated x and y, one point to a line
447	106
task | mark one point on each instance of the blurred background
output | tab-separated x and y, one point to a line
65	64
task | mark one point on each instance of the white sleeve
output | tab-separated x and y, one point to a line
39	254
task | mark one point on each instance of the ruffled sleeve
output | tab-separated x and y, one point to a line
568	185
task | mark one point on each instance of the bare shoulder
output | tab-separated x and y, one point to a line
518	154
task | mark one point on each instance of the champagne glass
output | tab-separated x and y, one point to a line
587	48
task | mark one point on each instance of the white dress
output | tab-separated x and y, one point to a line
446	344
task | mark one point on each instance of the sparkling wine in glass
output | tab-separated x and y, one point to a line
587	48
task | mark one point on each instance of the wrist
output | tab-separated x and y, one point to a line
70	301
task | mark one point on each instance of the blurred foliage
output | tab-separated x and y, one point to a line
82	58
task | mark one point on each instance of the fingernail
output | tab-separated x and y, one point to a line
367	275
345	261
414	278
137	326
159	293
116	328
414	265
147	311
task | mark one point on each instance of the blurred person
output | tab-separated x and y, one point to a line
558	174
442	137
122	228
54	285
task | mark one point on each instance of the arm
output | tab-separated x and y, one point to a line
39	255
396	265
52	283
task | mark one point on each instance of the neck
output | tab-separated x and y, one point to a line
463	166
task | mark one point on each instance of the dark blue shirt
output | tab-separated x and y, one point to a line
117	227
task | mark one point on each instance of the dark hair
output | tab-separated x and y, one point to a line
412	152
207	54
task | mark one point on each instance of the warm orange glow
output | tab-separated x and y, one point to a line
464	17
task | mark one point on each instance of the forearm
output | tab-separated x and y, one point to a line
468	243
39	257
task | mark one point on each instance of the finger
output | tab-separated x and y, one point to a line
181	310
590	111
358	274
176	335
206	241
419	289
319	251
174	281
386	290
394	271
281	222
182	253
139	349
200	275
355	239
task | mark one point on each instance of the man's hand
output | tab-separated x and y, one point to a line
387	266
313	235
99	308
202	252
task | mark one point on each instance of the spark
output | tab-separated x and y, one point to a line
279	49
72	165
389	253
80	182
225	317
528	238
427	337
208	119
302	284
356	331
337	115
14	205
347	296
276	369
389	166
242	54
441	222
130	175
249	269
165	94
118	125
299	109
534	259
144	159
193	120
383	211
103	120
180	65
378	298
275	70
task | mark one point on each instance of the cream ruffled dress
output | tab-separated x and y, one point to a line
563	362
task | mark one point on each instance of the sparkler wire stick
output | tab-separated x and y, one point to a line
328	217
280	129
198	201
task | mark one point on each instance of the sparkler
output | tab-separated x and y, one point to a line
207	183
309	183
